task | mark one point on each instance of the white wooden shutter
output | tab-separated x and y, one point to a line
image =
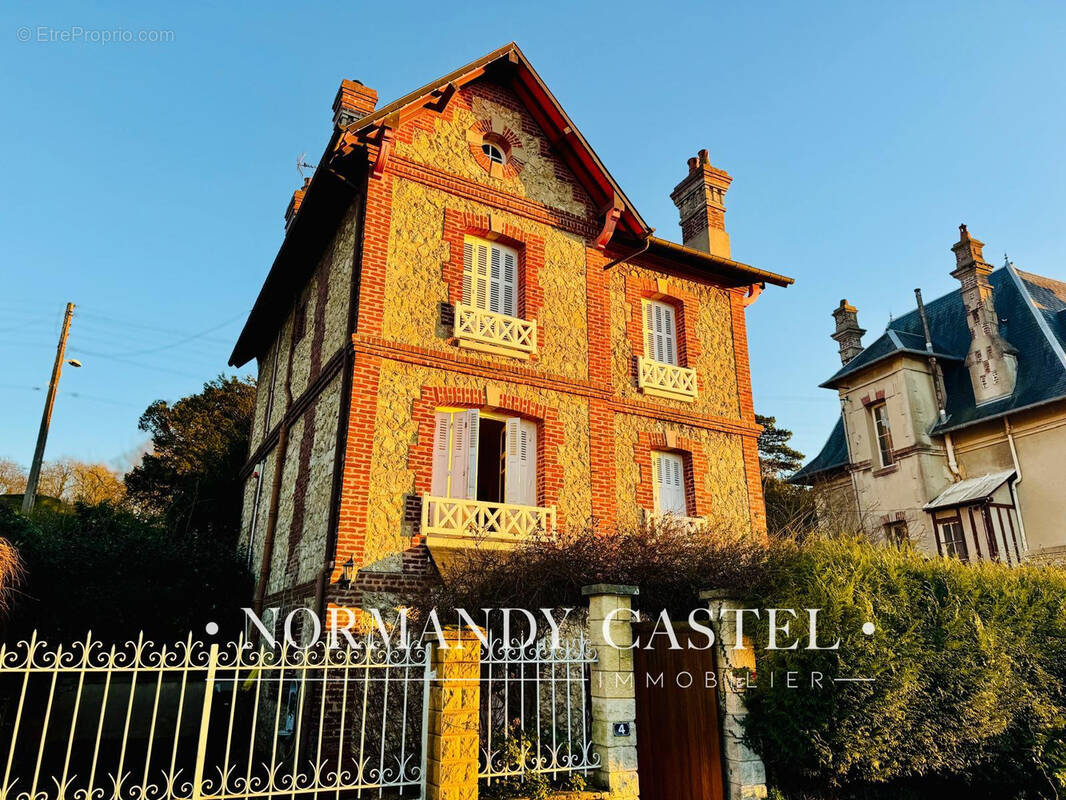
660	328
509	282
476	274
473	427
441	451
669	476
460	455
490	276
520	462
527	460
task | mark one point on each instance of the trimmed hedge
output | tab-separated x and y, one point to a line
969	669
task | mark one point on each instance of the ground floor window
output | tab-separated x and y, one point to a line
896	533
952	538
482	455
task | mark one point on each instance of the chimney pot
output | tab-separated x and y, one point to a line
295	202
848	334
992	361
353	102
700	198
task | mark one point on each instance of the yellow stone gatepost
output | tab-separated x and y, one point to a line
454	706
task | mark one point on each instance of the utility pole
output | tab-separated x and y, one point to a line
30	496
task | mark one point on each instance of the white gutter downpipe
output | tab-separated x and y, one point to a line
952	463
1017	482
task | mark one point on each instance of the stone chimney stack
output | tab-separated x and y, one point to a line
353	101
992	361
700	198
294	203
848	333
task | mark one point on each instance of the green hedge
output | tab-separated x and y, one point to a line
969	669
108	570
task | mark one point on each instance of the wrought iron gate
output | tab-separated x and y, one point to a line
194	721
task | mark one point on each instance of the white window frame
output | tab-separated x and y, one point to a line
456	433
660	331
882	430
490	276
668	481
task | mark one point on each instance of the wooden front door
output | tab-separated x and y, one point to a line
678	747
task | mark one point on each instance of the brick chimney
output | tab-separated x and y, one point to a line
848	333
992	361
700	198
294	203
353	101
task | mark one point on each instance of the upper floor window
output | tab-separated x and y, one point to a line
883	434
490	276
484	456
668	474
660	332
487	318
658	371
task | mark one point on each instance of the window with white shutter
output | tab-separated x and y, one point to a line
668	473
520	462
455	449
660	332
490	276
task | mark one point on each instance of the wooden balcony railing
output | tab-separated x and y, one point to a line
454	522
666	518
666	380
495	333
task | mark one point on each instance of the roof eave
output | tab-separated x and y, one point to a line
742	274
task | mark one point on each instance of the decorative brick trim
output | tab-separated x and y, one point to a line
358	453
458	224
377	231
879	397
482	131
549	436
468	365
697	499
461	187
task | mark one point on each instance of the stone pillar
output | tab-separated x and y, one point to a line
614	705
745	775
454	707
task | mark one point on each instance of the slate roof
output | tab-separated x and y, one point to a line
1032	312
832	458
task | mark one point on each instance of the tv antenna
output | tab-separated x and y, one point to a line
301	164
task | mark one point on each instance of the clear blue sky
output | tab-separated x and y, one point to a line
146	182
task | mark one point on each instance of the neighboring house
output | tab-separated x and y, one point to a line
469	334
953	428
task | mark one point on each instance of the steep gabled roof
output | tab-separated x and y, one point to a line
573	148
334	184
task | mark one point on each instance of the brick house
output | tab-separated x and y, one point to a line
469	326
953	423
